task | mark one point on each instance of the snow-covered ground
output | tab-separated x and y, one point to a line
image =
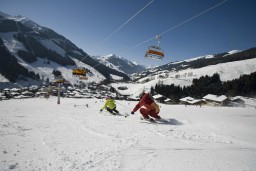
39	134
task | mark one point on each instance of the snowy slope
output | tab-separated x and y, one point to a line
207	57
227	71
104	60
43	69
120	64
79	138
29	42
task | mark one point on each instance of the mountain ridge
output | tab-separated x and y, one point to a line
28	41
120	63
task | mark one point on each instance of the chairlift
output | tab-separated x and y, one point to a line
79	72
155	52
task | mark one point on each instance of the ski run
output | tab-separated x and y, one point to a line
39	134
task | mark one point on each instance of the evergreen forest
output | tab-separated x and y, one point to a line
243	86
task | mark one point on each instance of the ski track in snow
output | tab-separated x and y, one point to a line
38	134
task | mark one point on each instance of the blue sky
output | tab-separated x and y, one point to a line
87	23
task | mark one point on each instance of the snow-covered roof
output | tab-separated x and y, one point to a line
185	99
215	97
27	92
15	93
190	100
237	98
158	96
15	89
167	100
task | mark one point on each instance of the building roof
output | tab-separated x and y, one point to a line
185	99
190	100
158	96
215	98
167	100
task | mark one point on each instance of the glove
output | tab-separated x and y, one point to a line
132	112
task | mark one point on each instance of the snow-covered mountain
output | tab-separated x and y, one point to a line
207	61
121	64
229	66
30	51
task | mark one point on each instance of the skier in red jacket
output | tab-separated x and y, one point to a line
147	107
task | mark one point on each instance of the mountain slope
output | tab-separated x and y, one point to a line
181	75
120	64
199	62
28	42
178	68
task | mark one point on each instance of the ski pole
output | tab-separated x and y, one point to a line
123	105
126	107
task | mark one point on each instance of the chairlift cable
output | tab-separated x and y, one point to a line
178	25
120	27
184	22
115	31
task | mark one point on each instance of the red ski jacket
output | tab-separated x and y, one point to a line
147	102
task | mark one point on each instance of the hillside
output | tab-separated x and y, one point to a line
33	51
195	63
202	61
227	71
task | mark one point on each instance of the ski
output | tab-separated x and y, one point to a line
150	120
117	114
125	114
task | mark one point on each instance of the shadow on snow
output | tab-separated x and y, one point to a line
170	122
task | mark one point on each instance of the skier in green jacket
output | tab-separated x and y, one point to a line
110	106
